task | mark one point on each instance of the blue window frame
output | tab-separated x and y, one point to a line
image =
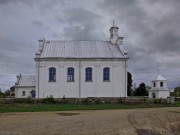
106	74
70	74
88	74
52	74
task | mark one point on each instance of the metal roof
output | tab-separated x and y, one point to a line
80	49
26	80
159	78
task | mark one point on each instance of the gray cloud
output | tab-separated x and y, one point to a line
25	2
37	23
151	30
82	25
153	36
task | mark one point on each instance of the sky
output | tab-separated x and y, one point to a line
151	31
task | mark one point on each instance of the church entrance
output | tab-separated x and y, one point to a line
33	93
153	95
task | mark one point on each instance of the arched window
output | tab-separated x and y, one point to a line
154	84
88	74
161	84
106	74
52	74
70	74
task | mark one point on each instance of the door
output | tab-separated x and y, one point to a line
153	95
33	93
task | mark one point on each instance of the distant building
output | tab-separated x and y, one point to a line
25	86
159	88
77	69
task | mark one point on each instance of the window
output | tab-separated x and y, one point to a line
106	73
154	84
52	74
161	84
88	74
70	74
23	93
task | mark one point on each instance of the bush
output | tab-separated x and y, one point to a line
86	101
120	100
145	100
64	100
160	101
49	100
155	101
97	101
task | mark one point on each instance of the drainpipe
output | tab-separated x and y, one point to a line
125	79
79	78
38	66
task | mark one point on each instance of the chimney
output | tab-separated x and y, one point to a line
18	76
120	40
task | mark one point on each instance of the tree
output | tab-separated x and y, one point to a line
129	84
1	94
176	92
7	93
141	90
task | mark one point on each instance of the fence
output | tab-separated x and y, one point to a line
88	100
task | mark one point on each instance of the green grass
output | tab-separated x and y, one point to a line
70	107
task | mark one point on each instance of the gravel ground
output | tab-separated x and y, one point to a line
151	121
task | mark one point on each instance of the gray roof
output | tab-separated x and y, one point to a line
26	80
159	78
79	49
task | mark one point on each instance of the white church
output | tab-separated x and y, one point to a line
159	88
77	69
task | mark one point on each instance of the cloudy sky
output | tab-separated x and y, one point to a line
151	29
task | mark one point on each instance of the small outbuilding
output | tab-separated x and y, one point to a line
25	86
159	88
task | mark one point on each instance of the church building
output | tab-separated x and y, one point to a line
159	88
77	69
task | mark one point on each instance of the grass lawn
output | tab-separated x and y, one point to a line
69	107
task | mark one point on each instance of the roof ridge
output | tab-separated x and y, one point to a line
77	40
28	74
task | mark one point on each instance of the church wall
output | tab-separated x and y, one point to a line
164	94
19	91
159	93
79	88
155	92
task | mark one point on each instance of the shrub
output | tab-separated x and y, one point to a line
97	101
29	100
155	101
49	99
86	101
160	100
145	100
64	100
120	100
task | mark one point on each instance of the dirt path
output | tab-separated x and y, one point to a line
161	121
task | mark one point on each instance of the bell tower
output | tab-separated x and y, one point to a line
114	33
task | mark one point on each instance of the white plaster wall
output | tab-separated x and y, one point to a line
164	94
160	93
61	87
18	91
156	93
97	88
158	85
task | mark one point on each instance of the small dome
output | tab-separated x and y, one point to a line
159	78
